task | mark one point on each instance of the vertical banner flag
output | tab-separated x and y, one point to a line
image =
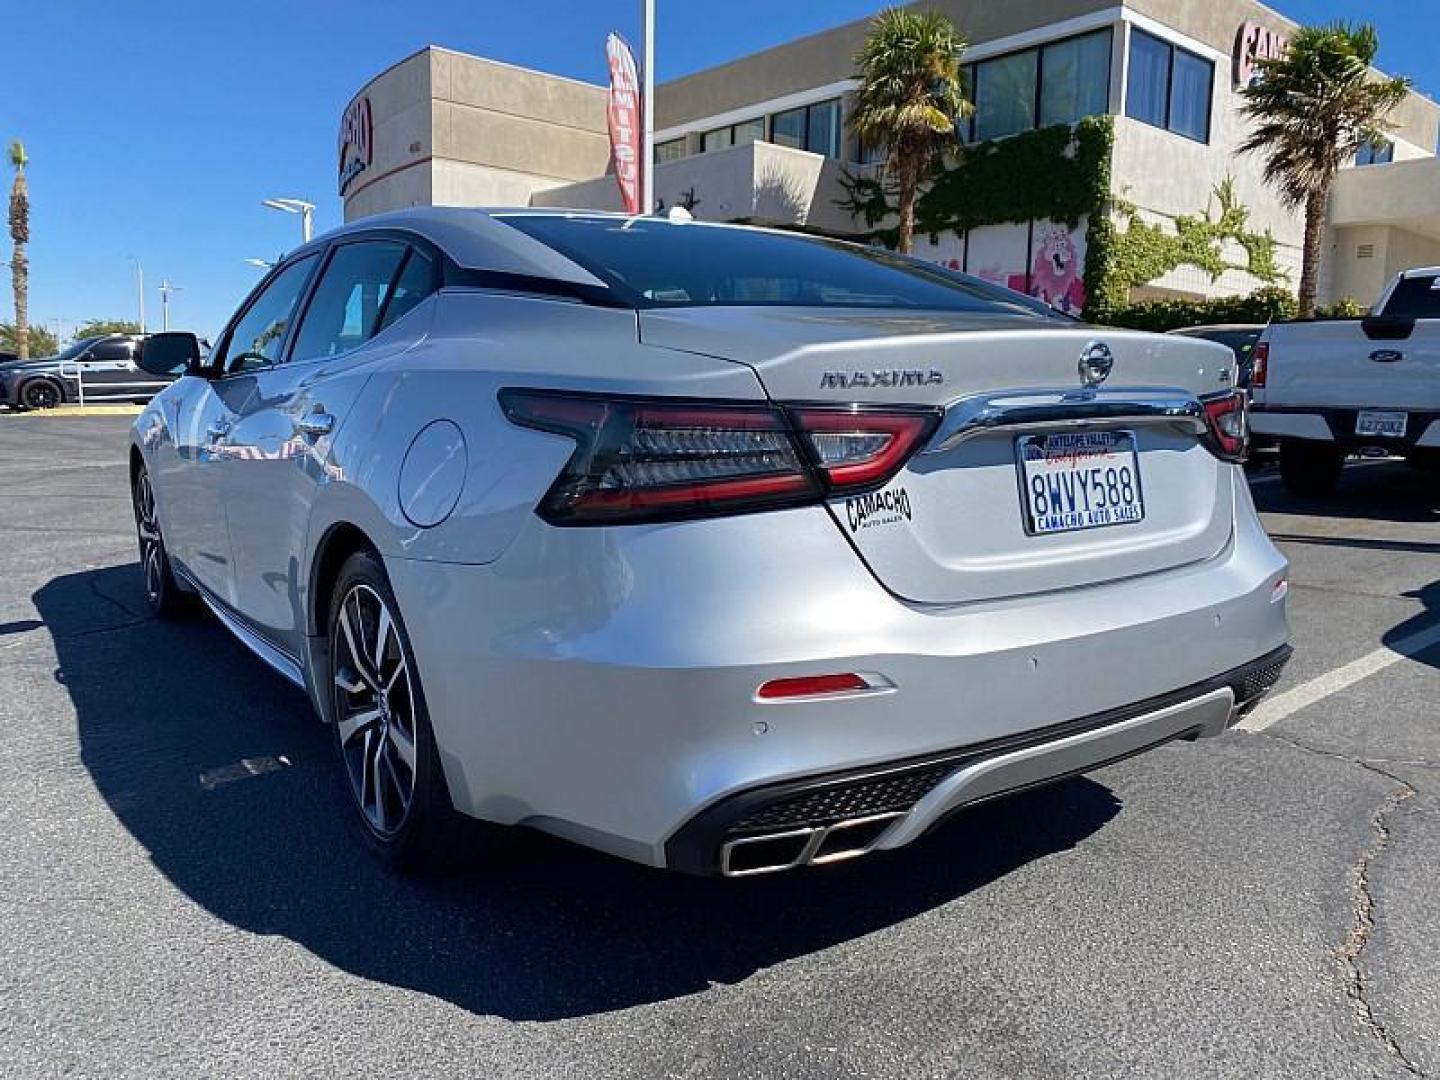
623	116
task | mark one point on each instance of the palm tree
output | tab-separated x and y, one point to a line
1312	109
910	97
20	234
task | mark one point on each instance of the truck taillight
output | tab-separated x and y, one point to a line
1229	421
1260	369
656	459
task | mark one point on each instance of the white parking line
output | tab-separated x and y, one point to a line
1292	701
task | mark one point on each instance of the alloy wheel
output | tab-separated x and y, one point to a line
152	544
41	395
375	710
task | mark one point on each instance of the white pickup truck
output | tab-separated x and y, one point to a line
1329	388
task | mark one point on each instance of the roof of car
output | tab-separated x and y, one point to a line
478	239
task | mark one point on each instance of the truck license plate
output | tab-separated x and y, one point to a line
1390	425
1079	480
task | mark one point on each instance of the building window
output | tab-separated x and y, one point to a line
811	127
1169	87
1059	83
1375	153
1075	79
670	150
1005	95
747	131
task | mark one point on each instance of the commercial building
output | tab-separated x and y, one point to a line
1105	133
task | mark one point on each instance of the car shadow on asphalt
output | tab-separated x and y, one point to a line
1388	491
1402	637
549	931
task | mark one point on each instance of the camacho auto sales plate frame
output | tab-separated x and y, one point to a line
1074	481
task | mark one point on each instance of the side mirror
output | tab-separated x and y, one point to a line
173	353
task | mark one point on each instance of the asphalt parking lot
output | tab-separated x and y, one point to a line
1265	904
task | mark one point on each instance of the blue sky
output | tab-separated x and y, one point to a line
155	128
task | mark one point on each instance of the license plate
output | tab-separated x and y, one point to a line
1375	422
1079	480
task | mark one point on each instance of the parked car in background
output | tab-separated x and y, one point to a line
721	549
106	365
1239	338
8	357
1329	388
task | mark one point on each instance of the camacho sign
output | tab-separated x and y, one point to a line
357	147
1253	44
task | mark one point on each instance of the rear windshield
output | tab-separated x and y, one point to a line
1415	298
657	263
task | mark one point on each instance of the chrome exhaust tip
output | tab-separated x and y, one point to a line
772	853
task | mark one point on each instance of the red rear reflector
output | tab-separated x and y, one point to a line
811	686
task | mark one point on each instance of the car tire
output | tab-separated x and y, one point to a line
41	394
1310	469
163	593
383	736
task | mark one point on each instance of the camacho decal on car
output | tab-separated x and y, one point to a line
878	508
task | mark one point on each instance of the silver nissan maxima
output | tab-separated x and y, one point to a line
716	548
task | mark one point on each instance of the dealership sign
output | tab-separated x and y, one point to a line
1253	44
357	146
623	116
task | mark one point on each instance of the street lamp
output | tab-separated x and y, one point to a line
139	289
259	264
165	290
296	206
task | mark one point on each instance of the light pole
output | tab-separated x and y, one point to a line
296	206
165	290
647	110
139	289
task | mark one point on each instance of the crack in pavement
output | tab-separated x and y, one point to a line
1362	901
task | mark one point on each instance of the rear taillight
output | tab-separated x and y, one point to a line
653	459
1260	368
1229	423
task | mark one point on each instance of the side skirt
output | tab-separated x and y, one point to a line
276	658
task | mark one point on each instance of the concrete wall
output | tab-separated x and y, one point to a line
453	129
1386	250
398	174
759	182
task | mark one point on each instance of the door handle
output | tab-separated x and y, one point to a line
316	423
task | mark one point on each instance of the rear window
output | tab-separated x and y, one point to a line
1415	298
656	263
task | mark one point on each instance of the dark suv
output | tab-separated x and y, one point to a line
105	365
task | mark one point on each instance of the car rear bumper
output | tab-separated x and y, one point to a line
830	818
1338	426
600	684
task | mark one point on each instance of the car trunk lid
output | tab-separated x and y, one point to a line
961	521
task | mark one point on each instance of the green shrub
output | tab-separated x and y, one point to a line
1263	305
1346	308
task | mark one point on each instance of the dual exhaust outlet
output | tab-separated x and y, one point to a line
816	845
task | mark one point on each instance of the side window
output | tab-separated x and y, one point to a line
348	301
109	351
417	281
258	336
